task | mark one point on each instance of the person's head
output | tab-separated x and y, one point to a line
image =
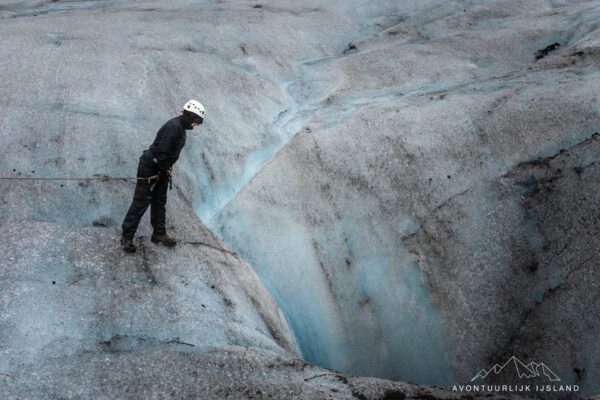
194	111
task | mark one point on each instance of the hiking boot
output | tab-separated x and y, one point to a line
128	245
164	239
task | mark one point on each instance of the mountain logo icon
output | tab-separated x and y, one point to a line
531	370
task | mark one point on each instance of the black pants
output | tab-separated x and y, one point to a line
153	194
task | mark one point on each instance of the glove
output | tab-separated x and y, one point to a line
165	172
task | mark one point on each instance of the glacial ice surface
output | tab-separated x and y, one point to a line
394	197
375	162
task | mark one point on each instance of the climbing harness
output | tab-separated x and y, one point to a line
100	178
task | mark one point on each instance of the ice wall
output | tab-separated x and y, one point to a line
354	212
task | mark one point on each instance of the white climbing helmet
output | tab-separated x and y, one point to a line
194	106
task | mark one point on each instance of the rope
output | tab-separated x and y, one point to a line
101	178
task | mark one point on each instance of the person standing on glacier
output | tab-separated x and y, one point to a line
158	159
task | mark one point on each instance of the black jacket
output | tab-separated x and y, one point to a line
169	141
